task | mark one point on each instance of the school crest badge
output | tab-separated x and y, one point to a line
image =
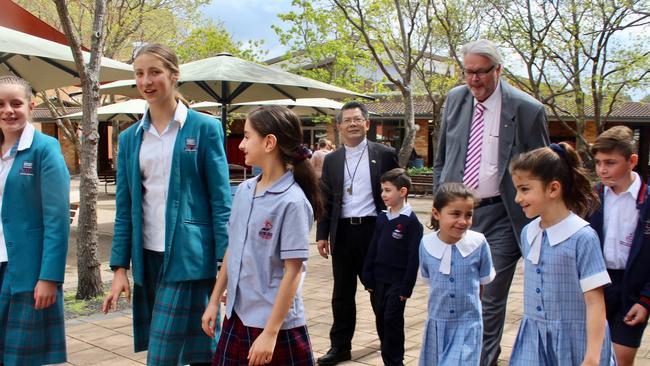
398	233
646	228
190	144
27	168
265	232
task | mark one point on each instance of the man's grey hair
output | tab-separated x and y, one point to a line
482	47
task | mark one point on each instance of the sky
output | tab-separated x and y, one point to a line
251	19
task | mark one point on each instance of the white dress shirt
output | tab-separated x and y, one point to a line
488	177
360	203
619	223
155	157
25	141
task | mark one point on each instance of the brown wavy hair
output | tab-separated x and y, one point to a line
561	163
286	127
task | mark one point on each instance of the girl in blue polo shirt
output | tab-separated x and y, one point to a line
268	245
564	270
172	206
34	200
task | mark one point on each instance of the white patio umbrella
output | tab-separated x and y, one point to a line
130	110
228	80
46	64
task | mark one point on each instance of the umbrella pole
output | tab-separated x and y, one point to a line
224	122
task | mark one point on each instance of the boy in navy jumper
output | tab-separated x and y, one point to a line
391	265
623	226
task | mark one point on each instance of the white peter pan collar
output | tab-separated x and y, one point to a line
406	211
471	241
555	234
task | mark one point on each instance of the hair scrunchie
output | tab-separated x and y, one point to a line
301	153
560	150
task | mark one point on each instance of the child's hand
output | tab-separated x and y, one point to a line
403	298
120	284
44	294
209	319
261	351
637	315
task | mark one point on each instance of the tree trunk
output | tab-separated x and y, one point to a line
409	128
90	282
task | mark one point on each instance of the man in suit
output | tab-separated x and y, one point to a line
485	124
351	193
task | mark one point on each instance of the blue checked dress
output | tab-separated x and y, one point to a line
454	328
561	263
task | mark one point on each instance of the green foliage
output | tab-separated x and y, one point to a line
646	99
323	46
75	308
419	171
213	38
128	22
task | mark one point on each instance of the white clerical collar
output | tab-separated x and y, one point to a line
555	234
471	241
406	211
493	101
633	189
360	147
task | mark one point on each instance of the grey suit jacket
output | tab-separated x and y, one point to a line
523	127
382	159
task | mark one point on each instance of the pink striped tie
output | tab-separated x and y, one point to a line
473	159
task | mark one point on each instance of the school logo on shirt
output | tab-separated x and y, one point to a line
265	232
190	144
646	228
27	168
398	233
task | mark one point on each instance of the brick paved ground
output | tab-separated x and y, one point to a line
107	339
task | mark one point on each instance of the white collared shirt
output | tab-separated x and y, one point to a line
155	157
406	211
467	245
25	141
619	223
488	177
360	203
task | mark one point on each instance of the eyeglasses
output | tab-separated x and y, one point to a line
356	120
480	72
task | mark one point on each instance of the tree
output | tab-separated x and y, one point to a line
213	38
128	23
580	57
90	284
454	23
646	99
395	49
324	46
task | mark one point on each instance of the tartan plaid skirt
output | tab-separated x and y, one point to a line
28	336
167	317
292	347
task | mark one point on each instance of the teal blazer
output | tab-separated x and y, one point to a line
36	214
198	202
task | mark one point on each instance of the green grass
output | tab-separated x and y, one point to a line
74	308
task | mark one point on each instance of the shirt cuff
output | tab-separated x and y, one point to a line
294	253
487	279
594	281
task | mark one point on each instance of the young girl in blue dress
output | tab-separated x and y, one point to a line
34	206
268	245
564	270
456	262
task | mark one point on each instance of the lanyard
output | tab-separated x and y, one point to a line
349	189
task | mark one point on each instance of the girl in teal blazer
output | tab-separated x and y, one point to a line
172	208
34	197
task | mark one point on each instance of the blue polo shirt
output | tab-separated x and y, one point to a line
263	231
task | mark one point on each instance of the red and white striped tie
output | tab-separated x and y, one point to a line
473	159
